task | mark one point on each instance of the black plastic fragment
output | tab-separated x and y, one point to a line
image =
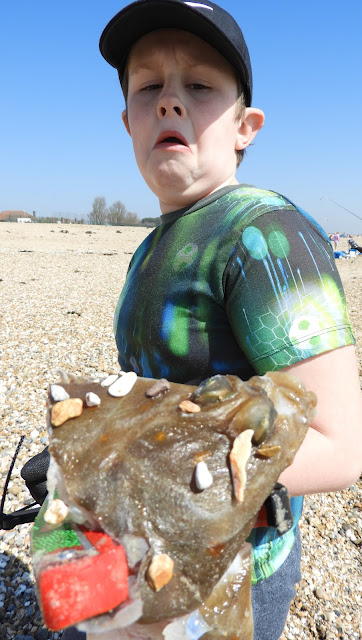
278	509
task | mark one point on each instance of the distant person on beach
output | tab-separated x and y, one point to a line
353	244
336	238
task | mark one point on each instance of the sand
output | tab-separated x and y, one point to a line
59	285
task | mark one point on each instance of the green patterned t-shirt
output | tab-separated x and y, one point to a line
242	282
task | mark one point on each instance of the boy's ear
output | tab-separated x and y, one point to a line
125	121
251	122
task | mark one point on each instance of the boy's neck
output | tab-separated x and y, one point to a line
168	207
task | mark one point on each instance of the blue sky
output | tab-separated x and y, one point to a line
63	142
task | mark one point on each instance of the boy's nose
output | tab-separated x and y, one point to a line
170	104
164	110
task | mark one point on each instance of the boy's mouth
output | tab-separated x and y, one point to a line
173	139
170	139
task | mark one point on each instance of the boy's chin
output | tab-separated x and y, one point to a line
171	199
175	192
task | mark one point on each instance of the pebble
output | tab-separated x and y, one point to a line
203	477
56	512
65	410
158	387
20	590
123	385
85	346
92	400
187	406
58	393
160	571
321	594
109	380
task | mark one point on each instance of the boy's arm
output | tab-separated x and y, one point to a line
330	457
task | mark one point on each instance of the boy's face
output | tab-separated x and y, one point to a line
181	109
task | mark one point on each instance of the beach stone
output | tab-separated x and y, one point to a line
65	410
58	393
14	490
21	588
29	611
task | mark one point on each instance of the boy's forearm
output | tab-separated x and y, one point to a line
320	466
330	457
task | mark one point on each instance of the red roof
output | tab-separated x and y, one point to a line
13	215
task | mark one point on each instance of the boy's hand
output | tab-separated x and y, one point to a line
34	472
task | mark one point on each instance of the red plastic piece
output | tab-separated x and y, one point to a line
84	587
262	519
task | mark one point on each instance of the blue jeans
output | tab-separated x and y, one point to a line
271	598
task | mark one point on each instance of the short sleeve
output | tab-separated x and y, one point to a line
283	294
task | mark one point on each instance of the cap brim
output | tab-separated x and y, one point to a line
140	18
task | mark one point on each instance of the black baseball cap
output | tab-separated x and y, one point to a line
203	18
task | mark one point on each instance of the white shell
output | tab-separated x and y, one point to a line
92	400
109	380
203	477
239	456
58	393
123	385
56	512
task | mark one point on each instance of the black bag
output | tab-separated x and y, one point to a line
34	472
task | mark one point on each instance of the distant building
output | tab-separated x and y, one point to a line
16	216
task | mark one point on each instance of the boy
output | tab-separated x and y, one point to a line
235	279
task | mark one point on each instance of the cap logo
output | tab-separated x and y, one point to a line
199	5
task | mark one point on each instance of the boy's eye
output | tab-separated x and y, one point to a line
198	86
151	87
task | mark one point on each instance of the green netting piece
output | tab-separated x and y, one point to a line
48	539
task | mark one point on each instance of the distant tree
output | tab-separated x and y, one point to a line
131	218
99	212
116	213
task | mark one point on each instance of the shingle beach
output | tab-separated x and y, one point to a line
59	285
